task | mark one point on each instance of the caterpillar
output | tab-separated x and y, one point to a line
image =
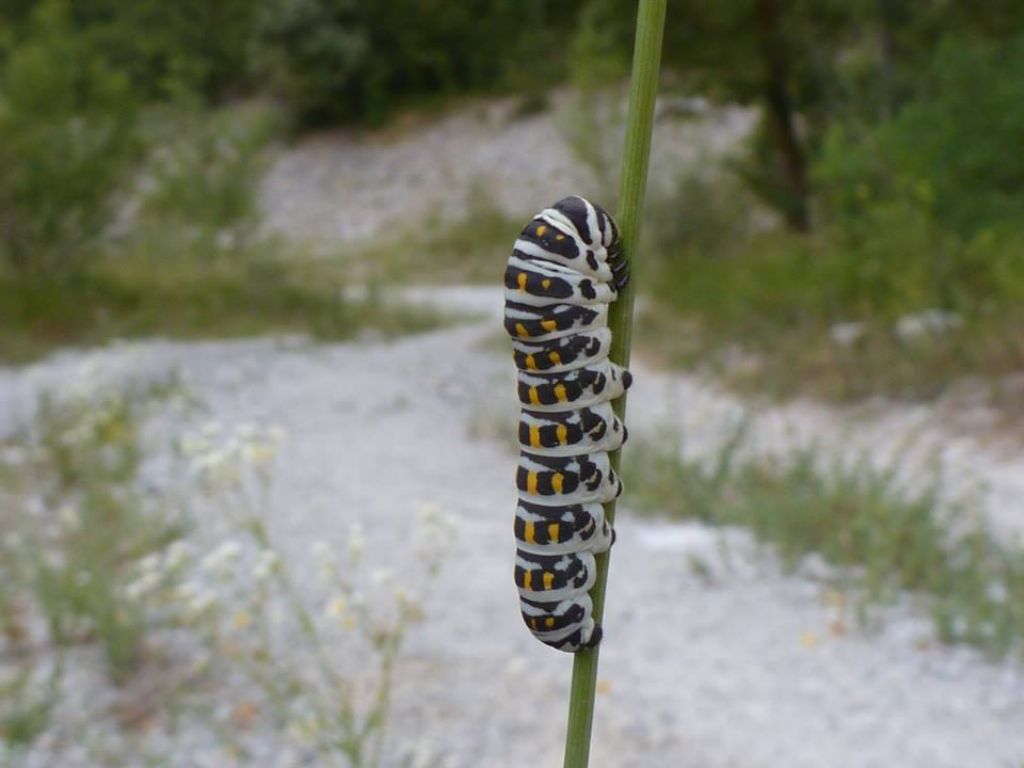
565	269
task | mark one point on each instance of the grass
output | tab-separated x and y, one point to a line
903	309
81	461
883	539
188	298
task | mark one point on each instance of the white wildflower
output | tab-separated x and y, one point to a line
148	564
178	554
196	600
338	608
356	542
143	586
193	446
325	559
211	429
256	452
69	518
408	606
268	563
220	562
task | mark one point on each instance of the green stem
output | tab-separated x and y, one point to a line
639	126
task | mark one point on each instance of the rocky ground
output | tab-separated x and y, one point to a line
340	188
728	664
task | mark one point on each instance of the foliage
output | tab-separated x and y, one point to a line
66	142
163	48
900	307
76	519
190	258
881	537
132	296
345	61
949	145
200	198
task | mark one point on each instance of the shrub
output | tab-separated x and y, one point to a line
201	190
345	61
953	144
66	140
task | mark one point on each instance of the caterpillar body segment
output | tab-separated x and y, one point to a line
565	269
553	578
567	479
532	324
563	624
564	433
596	383
565	353
539	284
559	529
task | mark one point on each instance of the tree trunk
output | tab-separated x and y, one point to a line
779	115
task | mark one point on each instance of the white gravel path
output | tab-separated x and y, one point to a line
741	668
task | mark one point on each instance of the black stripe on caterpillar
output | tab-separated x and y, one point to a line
565	269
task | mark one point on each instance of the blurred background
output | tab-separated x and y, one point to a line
249	292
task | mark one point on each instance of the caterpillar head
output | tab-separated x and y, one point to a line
592	222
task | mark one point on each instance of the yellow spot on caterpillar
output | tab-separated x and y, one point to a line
545	283
559	237
556	481
535	439
549	579
541	230
533	622
561	394
531	482
528	580
549	622
552	531
531	364
521	281
534	397
521	331
549	325
528	533
555	358
563	434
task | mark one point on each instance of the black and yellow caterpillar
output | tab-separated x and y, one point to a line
564	271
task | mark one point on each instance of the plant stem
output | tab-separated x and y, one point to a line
639	126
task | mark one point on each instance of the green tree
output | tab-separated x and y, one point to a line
67	140
346	60
201	45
